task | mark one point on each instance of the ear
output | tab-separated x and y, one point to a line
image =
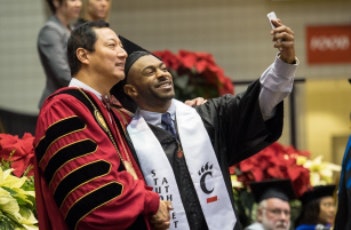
259	214
82	55
130	90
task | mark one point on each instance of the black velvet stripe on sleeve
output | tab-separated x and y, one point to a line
66	154
91	201
56	131
78	177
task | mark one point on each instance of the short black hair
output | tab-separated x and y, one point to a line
52	6
311	200
82	37
309	213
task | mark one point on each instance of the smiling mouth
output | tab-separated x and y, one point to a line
121	65
165	85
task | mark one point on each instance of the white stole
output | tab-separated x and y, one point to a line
201	162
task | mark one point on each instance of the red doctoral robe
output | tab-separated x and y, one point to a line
80	180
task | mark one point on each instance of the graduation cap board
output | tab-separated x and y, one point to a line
318	192
130	46
134	52
274	188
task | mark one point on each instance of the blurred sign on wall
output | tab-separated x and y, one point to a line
328	44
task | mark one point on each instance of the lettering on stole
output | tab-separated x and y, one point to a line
161	186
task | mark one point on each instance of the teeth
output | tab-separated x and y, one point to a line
165	85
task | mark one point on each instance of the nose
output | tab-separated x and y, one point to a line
161	74
284	215
104	3
122	53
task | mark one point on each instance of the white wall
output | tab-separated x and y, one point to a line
21	76
236	32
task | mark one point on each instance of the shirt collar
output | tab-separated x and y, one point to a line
77	83
154	118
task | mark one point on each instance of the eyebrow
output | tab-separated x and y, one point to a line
154	65
114	40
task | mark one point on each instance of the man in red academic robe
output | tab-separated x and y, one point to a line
86	177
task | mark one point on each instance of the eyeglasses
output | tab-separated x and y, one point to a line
278	212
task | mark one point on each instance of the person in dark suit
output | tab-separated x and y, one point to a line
52	44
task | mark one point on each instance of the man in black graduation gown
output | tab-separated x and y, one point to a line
189	164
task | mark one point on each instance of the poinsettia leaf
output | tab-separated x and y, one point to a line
206	78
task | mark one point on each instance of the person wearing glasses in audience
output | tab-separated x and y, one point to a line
93	10
273	207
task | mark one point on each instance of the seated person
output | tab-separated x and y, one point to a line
318	208
273	209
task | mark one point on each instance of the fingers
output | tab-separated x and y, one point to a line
161	220
169	205
196	101
284	40
283	33
161	226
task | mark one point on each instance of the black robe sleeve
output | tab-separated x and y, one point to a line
236	127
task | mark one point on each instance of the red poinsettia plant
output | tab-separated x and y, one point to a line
275	161
196	74
19	152
17	203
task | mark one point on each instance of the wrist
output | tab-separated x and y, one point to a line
288	60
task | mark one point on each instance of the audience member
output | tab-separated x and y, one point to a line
93	10
318	209
52	44
86	177
189	165
273	207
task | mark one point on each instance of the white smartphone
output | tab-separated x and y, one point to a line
271	15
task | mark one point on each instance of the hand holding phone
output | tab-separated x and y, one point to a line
271	15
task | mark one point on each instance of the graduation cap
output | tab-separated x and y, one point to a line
274	188
134	52
317	192
130	46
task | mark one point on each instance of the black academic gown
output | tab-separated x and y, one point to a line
237	131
